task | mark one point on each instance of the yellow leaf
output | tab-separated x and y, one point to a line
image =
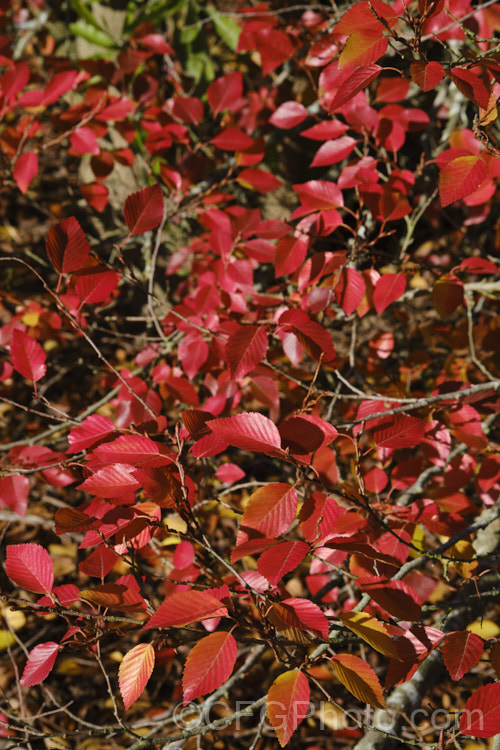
370	630
359	678
485	629
6	639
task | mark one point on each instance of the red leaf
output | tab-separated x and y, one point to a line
258	179
115	596
353	85
184	608
481	715
461	651
14	491
426	75
396	597
27	356
193	352
30	567
95	285
318	517
274	47
318	195
135	671
388	289
332	152
271	509
310	615
72	520
84	141
59	85
460	177
208	665
116	480
96	194
288	115
91	431
225	92
134	450
471	86
250	431
41	659
143	211
67	245
245	349
313	337
288	703
281	559
399	431
25	169
232	139
290	254
350	290
229	473
363	48
300	435
363	15
100	561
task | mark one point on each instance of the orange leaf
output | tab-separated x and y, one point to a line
271	509
363	48
134	672
287	703
359	678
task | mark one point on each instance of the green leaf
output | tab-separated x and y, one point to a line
225	27
191	26
85	13
93	34
155	12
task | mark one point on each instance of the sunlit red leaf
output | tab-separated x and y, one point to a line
363	48
399	431
232	139
353	85
41	659
250	431
318	195
258	179
93	429
359	678
481	715
350	290
209	665
134	450
310	615
115	480
290	254
288	115
25	169
461	651
225	91
84	141
271	509
460	177
67	245
184	608
388	289
193	352
288	703
14	491
332	152
366	15
245	349
27	356
426	75
143	210
135	671
275	48
30	567
99	562
281	559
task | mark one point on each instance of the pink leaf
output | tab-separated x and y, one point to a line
245	349
25	169
84	141
135	671
461	651
27	356
281	559
143	211
388	289
481	715
288	703
67	245
229	473
310	615
288	115
30	567
208	665
41	659
14	490
250	431
332	152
